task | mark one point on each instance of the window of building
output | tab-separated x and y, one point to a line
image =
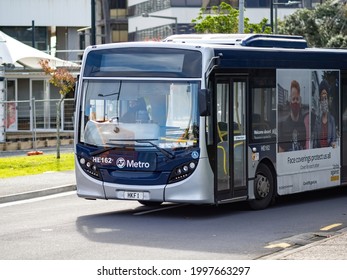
24	34
117	4
119	36
186	3
148	7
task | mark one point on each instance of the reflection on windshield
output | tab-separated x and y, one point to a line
132	110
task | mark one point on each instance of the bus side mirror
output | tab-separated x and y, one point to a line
204	102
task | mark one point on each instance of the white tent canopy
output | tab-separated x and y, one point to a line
15	52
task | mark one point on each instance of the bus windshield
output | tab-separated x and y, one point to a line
140	114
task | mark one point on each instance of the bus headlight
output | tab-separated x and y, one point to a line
182	171
89	167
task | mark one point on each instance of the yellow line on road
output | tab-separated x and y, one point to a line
329	227
278	245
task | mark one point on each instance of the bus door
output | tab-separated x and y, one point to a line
231	138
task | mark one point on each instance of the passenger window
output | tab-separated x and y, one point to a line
263	117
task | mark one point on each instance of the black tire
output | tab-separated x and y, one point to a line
150	203
264	188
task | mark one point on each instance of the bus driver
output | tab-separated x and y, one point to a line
137	112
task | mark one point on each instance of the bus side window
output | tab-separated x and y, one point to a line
223	131
263	118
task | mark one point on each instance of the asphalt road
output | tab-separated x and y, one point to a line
65	227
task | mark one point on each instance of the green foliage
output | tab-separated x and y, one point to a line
324	26
225	19
60	78
338	41
262	27
30	165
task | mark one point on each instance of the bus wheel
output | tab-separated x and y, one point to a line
150	203
264	188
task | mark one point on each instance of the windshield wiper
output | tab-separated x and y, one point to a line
103	150
147	141
163	151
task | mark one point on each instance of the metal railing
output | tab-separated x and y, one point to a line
35	116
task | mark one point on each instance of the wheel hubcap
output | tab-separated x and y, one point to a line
263	186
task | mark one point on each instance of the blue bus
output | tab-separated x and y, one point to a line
210	119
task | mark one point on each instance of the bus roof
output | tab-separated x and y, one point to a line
246	40
246	51
260	57
230	39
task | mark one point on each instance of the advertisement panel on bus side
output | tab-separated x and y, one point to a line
308	155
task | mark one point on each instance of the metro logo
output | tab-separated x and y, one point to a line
137	164
120	162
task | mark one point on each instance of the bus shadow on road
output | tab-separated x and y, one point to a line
171	226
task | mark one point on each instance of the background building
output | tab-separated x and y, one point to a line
167	17
64	28
50	26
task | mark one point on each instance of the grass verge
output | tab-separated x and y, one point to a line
30	165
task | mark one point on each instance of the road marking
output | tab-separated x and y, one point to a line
282	245
329	227
30	200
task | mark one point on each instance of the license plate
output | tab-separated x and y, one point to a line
133	195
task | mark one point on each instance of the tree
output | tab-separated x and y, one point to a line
225	19
324	26
64	80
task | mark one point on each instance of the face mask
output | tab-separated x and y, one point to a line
324	106
295	107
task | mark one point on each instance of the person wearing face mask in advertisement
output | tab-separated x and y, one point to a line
292	131
324	129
